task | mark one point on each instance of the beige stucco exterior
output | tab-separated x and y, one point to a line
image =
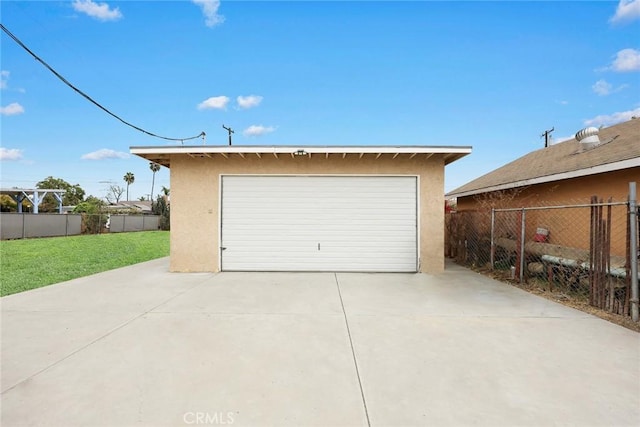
614	184
568	227
195	198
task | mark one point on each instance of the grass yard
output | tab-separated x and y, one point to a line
33	263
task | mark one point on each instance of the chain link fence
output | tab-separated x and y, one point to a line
578	251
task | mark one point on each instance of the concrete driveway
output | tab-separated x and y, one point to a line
142	346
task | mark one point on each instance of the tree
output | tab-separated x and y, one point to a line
129	178
7	204
154	168
161	208
114	194
74	194
93	219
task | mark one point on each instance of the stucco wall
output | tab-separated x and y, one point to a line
570	191
195	198
568	227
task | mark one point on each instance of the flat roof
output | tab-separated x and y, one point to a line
161	154
29	190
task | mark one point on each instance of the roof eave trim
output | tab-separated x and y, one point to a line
609	167
308	149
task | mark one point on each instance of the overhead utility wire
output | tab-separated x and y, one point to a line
65	81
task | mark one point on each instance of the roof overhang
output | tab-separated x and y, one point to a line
162	154
609	167
30	190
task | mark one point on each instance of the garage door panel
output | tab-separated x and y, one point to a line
267	231
275	223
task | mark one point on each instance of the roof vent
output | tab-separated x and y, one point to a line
588	137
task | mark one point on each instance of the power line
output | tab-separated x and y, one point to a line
88	98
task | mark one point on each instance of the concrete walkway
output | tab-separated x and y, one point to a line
142	346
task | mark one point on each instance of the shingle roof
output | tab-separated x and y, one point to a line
619	149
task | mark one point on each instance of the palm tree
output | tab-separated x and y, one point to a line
154	168
165	195
129	178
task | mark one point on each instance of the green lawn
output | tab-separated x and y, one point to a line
33	263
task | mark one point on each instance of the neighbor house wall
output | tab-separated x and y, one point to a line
568	227
195	199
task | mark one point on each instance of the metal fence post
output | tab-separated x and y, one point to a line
633	248
522	236
493	245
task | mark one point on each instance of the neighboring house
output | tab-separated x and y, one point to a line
599	162
284	208
135	207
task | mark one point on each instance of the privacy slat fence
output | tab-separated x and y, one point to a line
28	225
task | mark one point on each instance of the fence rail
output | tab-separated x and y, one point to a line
28	225
583	251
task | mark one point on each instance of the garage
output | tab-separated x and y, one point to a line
319	223
360	208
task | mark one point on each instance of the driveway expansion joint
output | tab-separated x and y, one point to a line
353	351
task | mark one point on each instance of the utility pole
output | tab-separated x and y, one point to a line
228	129
547	136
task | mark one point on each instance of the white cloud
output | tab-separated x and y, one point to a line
104	154
612	119
210	12
215	102
249	101
626	60
627	10
12	109
100	11
602	87
4	78
4	82
258	130
10	154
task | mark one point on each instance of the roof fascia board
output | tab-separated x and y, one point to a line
30	190
308	149
609	167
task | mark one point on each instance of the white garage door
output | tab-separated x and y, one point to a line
319	223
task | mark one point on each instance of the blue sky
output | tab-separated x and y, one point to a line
493	75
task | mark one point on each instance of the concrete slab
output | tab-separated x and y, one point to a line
165	368
144	346
462	349
34	341
457	292
448	371
245	293
45	325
